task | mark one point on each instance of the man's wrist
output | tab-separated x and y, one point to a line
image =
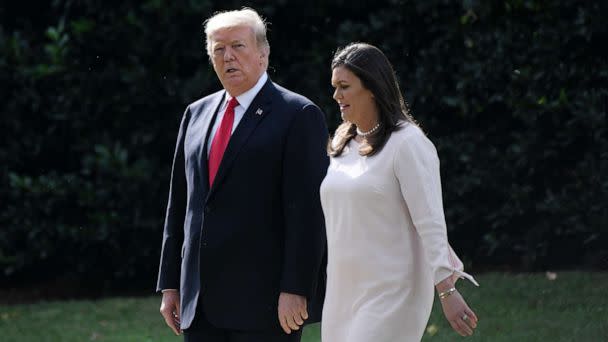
169	290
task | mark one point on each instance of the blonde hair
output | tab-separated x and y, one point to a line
244	17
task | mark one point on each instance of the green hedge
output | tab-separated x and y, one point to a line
514	94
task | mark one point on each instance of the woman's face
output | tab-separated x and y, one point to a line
356	102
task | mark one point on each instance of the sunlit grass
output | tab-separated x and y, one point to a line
527	307
532	307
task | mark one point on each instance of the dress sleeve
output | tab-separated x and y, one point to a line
416	167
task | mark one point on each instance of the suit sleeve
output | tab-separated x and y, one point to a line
416	166
304	166
173	234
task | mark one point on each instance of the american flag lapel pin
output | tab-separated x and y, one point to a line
259	111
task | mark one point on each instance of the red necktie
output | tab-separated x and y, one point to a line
220	140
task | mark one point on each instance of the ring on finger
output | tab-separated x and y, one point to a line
465	317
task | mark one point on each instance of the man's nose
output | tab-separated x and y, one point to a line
228	54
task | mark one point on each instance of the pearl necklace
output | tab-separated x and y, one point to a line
365	134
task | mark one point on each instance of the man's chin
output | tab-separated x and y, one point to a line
236	85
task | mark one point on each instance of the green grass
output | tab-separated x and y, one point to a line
527	307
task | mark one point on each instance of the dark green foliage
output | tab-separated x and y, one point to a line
514	94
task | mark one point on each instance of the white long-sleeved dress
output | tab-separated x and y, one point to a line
387	241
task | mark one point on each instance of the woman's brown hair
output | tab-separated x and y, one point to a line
376	73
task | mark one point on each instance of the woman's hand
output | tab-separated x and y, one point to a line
462	319
458	313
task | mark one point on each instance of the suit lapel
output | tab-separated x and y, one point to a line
209	119
259	108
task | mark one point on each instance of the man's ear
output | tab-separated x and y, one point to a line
262	57
263	53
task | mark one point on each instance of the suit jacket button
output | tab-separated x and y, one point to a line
208	209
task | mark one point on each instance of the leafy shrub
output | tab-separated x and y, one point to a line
512	93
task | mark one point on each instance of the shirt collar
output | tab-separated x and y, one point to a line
247	97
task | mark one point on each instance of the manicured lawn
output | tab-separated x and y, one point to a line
526	307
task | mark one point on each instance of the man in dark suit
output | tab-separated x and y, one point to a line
243	253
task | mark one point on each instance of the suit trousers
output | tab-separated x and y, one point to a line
203	331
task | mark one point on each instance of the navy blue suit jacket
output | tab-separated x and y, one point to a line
258	230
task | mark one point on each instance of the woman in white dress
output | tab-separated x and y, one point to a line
386	232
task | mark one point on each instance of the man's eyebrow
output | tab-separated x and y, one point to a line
217	42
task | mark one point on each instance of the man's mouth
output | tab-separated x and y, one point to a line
231	70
